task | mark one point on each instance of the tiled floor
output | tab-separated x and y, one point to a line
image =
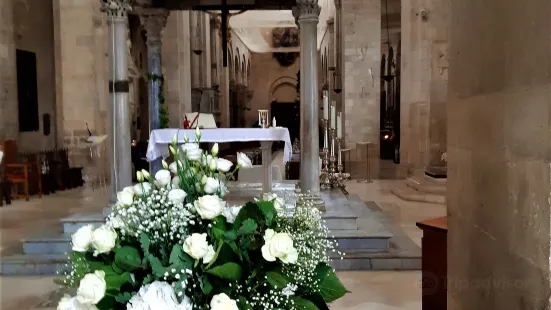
371	290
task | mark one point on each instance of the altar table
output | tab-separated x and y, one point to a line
160	139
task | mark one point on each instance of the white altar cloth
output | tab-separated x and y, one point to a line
160	139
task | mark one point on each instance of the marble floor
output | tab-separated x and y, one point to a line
371	290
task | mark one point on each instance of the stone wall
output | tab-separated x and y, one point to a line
268	74
9	126
499	146
361	21
33	22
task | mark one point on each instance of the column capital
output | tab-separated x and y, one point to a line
115	8
306	10
153	20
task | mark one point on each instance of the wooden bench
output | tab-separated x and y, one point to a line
434	263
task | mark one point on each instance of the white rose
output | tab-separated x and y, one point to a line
158	295
177	196
194	154
223	165
209	256
196	246
279	203
279	245
163	177
209	206
125	197
190	146
223	302
211	185
92	288
230	213
243	161
104	240
129	189
82	238
142	188
71	303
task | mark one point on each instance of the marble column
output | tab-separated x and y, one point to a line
331	58
499	154
154	20
119	137
9	121
338	47
307	14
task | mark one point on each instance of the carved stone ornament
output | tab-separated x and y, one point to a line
307	10
116	8
153	20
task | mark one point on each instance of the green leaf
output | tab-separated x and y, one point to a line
331	287
218	233
268	210
235	249
249	211
206	287
243	305
321	271
230	235
156	266
248	227
123	298
115	281
317	300
117	269
145	243
304	304
107	302
175	254
148	279
128	258
228	271
276	279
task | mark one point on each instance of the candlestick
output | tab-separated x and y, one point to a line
333	117
325	104
339	126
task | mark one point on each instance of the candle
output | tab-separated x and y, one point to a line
333	117
325	105
339	125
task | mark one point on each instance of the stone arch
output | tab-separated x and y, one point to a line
236	71
244	78
230	63
248	72
284	81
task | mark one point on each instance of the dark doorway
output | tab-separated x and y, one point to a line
27	91
287	114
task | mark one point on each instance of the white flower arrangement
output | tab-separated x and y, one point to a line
173	243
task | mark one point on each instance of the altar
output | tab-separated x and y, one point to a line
160	139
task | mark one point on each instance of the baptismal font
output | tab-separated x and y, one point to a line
332	170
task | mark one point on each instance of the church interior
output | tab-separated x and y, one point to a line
401	117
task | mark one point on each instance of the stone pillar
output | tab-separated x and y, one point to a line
154	20
361	43
177	63
499	133
331	59
307	13
9	120
197	47
119	136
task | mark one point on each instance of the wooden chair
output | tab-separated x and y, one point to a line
18	173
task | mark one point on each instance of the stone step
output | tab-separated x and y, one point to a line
47	243
423	184
360	240
368	260
409	194
38	264
72	223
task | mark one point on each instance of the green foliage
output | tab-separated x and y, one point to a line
304	304
248	227
228	271
276	280
128	258
163	111
123	298
331	287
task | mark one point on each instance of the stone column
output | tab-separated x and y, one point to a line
331	58
307	14
154	20
499	133
9	120
361	57
119	137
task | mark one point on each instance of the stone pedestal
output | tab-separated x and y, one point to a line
498	155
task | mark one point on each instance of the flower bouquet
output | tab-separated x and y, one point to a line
172	243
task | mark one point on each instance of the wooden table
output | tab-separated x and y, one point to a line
434	263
